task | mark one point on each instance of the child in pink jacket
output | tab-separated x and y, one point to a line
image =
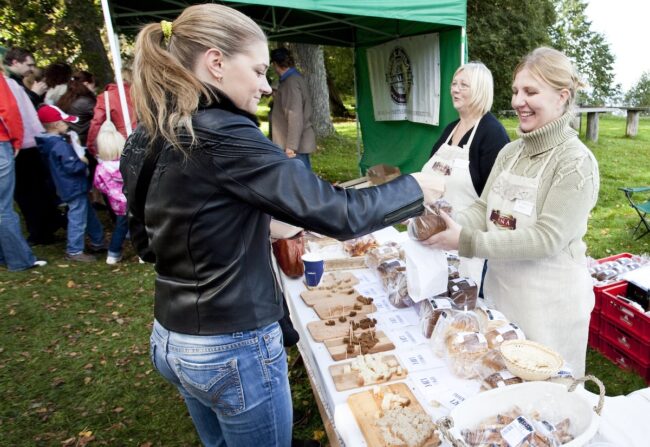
108	180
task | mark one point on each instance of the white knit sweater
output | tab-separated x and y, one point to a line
568	190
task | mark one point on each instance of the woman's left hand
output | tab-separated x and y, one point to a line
448	239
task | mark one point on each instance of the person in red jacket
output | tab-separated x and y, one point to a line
115	111
15	254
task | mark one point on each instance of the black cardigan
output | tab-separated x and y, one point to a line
490	138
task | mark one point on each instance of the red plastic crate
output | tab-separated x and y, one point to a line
625	341
594	322
619	357
625	315
598	290
594	340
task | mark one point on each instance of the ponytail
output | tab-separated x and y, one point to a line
165	90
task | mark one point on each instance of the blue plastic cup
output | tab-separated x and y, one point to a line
314	267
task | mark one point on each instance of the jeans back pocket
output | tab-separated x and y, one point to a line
216	385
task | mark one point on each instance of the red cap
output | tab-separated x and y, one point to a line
52	114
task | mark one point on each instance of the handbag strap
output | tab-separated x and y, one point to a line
107	106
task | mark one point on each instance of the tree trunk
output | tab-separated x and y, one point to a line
311	63
336	103
85	20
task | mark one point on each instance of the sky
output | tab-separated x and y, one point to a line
625	24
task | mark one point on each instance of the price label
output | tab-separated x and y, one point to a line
515	432
407	338
419	360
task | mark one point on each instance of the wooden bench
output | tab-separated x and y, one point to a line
591	133
632	125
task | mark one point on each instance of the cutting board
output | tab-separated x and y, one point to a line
342	305
337	280
366	405
320	331
313	297
346	381
338	349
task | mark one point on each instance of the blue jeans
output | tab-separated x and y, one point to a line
305	159
81	219
119	234
235	386
14	251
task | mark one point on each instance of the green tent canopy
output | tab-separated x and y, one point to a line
354	23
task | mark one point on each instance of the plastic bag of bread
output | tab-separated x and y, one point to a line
464	349
377	255
463	292
500	379
439	334
360	246
490	318
397	289
389	270
516	428
431	222
490	363
498	335
429	312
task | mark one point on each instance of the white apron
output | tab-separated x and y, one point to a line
452	164
550	298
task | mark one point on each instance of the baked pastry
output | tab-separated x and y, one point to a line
464	350
429	311
490	318
431	222
500	379
377	255
490	363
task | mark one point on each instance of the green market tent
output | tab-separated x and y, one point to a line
354	23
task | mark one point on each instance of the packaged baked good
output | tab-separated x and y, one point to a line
452	272
439	334
430	223
360	245
397	289
377	255
429	312
500	379
463	292
462	322
464	350
490	318
490	363
498	335
389	269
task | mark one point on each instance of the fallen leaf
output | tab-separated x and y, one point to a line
71	284
87	380
69	442
318	435
118	410
86	434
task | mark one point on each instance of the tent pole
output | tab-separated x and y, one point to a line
356	107
117	66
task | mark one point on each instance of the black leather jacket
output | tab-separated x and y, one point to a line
207	219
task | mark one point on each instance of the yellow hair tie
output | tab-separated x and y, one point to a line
166	30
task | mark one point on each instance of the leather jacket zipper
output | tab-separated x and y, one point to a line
404	212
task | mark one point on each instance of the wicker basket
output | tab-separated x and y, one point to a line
530	360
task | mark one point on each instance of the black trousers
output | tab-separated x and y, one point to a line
36	197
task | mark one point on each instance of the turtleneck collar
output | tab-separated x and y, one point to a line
548	136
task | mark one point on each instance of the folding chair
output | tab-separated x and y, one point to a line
642	208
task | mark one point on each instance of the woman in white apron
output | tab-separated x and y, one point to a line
531	218
467	148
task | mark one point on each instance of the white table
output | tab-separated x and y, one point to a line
624	417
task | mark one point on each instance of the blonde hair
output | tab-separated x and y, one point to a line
555	69
110	145
481	86
166	91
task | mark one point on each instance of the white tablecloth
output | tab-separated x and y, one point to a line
625	418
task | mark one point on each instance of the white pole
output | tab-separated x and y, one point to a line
356	107
117	66
463	37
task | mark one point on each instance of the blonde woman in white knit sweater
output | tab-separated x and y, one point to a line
532	215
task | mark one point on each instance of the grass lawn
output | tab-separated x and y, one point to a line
74	363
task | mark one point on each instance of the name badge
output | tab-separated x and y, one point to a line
523	207
460	163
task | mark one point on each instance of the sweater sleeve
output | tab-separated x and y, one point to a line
562	216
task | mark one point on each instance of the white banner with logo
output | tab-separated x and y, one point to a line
405	79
